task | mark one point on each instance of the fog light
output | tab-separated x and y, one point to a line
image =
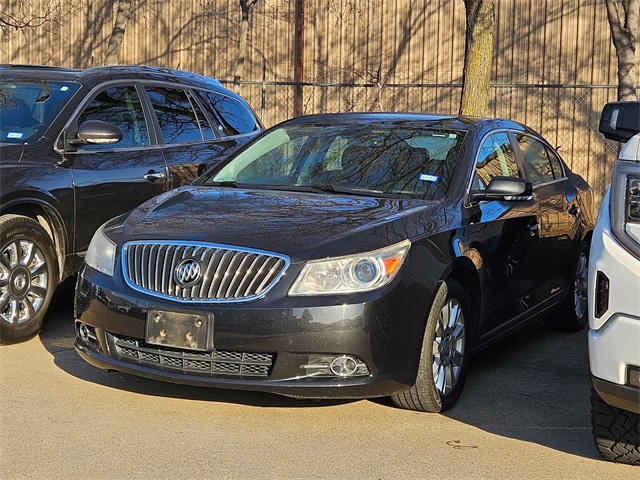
633	376
84	332
87	334
343	366
335	366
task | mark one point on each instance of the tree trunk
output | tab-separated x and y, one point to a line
117	35
623	20
245	6
478	58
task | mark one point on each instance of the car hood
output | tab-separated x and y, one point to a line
301	225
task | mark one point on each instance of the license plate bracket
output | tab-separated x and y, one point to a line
185	330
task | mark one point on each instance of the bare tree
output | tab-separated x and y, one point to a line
125	11
23	15
478	57
623	20
245	6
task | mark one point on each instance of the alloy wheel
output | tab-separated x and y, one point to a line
23	281
448	347
580	285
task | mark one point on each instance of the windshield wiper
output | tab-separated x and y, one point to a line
313	188
351	191
225	183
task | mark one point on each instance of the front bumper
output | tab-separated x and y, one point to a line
265	345
614	316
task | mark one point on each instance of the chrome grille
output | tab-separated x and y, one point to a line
229	274
217	362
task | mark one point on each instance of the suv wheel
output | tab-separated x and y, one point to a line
615	431
28	276
445	353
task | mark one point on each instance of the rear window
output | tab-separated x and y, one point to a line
235	117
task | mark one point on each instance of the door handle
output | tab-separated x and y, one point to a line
533	229
154	176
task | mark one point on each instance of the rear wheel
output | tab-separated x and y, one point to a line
573	315
615	431
28	276
445	354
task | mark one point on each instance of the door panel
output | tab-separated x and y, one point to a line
110	183
558	229
558	219
507	234
110	179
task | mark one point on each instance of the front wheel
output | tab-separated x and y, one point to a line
445	353
615	431
28	277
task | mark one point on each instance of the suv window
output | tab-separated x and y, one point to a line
205	126
496	159
235	117
121	107
178	120
537	167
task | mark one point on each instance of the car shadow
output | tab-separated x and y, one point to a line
533	386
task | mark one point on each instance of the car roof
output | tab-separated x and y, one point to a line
447	122
104	73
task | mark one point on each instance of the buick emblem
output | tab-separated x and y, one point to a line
188	273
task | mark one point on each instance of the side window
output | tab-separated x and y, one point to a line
496	159
556	164
235	117
178	120
121	107
205	126
537	167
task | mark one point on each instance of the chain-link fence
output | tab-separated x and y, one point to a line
567	116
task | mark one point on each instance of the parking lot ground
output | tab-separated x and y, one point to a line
524	414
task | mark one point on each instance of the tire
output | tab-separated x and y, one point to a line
616	432
28	277
573	313
444	358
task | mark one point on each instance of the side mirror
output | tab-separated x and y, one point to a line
620	120
96	132
508	189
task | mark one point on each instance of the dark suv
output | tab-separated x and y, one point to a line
78	147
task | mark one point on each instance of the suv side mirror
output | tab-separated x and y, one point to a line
507	189
96	132
620	120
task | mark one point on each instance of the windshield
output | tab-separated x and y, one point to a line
388	160
27	108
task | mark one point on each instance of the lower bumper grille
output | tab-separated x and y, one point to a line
215	363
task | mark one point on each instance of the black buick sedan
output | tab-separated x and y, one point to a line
343	256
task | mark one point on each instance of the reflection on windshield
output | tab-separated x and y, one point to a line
379	159
27	108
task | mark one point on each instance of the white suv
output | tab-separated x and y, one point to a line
614	296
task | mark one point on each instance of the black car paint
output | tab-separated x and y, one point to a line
492	248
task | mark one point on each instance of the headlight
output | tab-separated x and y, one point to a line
354	273
101	255
624	205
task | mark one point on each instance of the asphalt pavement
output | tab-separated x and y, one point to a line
524	413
